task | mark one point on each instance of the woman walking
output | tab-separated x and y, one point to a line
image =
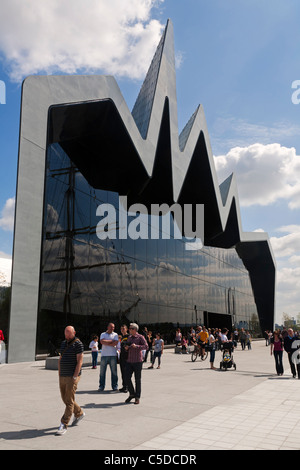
277	349
158	344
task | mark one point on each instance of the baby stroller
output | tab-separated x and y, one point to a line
227	357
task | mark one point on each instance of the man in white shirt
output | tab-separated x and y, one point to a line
109	341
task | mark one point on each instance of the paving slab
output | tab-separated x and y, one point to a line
185	406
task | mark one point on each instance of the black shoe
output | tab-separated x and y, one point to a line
128	400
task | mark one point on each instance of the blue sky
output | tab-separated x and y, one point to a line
237	58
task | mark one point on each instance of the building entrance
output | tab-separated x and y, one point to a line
217	320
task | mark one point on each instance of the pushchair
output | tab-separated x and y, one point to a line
227	356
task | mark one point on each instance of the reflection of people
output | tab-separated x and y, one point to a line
69	370
109	341
136	343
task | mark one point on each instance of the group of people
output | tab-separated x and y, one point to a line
289	341
128	349
212	339
202	333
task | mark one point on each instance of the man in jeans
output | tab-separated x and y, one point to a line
69	371
136	343
109	341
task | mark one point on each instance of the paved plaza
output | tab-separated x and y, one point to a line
184	406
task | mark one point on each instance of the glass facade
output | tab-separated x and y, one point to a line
87	282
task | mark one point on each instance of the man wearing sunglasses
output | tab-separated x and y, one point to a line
136	343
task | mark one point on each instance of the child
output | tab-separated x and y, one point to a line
158	344
184	345
94	347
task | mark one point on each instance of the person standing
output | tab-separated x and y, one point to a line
123	357
178	337
158	344
69	372
136	343
1	340
149	340
94	347
277	350
212	347
290	347
248	340
109	340
235	337
243	338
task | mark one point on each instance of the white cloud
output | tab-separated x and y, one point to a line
5	269
118	37
287	252
7	215
289	245
265	173
229	132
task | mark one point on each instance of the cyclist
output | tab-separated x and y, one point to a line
202	340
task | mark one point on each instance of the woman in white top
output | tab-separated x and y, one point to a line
212	347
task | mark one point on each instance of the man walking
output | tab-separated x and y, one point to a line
136	343
109	341
69	371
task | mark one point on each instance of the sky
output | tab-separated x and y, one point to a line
240	59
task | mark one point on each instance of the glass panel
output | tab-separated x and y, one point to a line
91	281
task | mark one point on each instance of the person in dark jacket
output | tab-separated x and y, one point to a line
291	344
123	357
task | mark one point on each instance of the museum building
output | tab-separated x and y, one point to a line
80	149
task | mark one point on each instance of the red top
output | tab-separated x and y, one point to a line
1	335
135	354
278	345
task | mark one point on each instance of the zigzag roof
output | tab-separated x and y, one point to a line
140	154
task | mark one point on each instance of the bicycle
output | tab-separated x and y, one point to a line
197	352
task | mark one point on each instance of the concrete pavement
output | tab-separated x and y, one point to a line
184	406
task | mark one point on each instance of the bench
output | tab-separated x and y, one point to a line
51	363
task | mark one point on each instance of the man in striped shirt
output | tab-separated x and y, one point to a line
69	370
136	343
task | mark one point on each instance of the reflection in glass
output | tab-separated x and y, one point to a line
87	281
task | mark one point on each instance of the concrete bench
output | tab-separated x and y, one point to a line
178	350
51	363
